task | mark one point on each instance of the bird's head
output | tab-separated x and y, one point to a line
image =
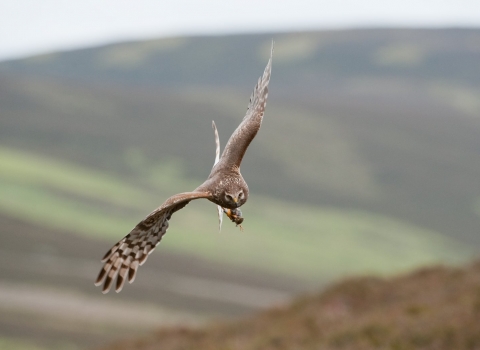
234	198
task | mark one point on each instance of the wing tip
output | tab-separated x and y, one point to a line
265	78
269	64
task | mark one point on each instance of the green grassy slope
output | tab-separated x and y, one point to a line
404	150
313	243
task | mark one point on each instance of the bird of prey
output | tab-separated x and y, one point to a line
224	186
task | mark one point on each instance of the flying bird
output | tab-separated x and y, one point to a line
224	186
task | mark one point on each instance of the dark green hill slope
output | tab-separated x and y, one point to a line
376	120
310	59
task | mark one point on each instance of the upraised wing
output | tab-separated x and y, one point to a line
132	251
217	158
217	144
240	140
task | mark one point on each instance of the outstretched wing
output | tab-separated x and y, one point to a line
133	250
240	140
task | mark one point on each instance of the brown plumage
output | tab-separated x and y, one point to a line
224	186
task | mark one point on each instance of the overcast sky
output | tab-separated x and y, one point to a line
29	27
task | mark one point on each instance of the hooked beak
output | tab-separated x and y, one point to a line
235	199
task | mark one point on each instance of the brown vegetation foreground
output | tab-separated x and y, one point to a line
434	308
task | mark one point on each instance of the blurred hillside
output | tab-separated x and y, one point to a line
367	162
433	308
376	120
303	60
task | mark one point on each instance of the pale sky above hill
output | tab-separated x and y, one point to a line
30	27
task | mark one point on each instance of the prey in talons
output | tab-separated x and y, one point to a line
235	215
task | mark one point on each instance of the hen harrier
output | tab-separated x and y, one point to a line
224	186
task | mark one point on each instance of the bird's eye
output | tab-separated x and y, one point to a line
240	195
228	197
